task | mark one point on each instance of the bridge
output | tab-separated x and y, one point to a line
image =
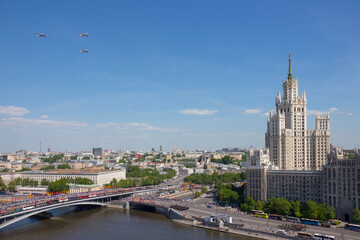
94	201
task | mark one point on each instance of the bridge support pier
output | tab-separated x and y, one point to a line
127	205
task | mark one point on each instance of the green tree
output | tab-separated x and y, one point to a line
64	166
73	157
330	213
259	205
356	216
113	182
86	158
248	205
227	195
204	189
44	182
269	205
23	170
311	209
2	185
282	206
53	159
49	167
59	186
82	181
16	181
227	159
197	194
321	212
296	209
11	187
29	182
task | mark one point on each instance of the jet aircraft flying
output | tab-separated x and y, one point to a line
40	35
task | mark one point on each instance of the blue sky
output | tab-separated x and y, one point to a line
198	74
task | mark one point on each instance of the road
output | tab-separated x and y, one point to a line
198	207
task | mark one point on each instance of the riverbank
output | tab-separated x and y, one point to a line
194	221
245	233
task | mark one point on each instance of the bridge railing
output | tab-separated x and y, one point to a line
20	207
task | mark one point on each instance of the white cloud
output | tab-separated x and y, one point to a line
13	111
44	117
330	110
198	112
314	112
266	114
105	125
15	122
253	111
135	126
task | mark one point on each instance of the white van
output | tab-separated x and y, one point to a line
281	232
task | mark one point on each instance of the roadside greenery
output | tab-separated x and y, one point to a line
59	186
2	185
45	182
204	189
197	194
356	216
27	182
310	209
123	183
215	178
226	194
79	180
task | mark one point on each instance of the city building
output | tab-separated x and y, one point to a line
97	152
257	157
292	146
9	176
300	165
98	176
341	185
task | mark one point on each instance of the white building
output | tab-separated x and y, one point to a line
257	157
291	145
99	177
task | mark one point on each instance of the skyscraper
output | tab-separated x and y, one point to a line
97	152
291	145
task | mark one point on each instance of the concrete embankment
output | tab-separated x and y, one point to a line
229	228
194	221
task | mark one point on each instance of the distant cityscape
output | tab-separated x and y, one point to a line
297	164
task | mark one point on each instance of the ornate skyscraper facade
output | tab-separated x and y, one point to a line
291	145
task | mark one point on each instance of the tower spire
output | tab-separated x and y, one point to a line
290	74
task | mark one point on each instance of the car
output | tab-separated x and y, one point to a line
281	232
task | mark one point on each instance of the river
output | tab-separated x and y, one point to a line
106	224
